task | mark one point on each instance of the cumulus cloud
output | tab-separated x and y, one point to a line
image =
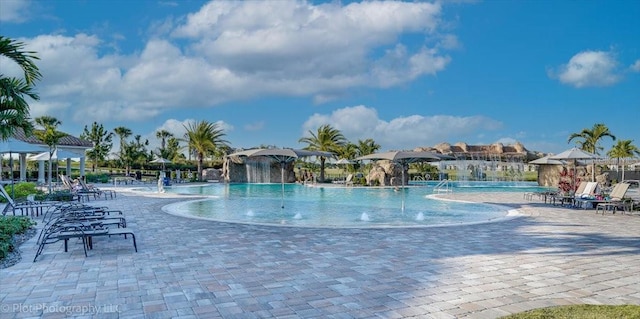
15	11
635	67
361	122
589	68
230	51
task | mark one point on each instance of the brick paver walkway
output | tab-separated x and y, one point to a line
188	268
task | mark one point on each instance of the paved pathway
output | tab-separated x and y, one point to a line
189	268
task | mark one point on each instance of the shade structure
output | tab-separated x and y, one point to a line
547	161
162	161
58	154
404	158
343	161
574	154
12	145
282	156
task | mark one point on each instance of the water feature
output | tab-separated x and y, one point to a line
340	206
487	167
258	170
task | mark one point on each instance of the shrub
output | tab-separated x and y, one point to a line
21	190
9	226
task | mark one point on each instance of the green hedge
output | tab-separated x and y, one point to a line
9	226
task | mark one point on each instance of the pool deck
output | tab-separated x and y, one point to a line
188	268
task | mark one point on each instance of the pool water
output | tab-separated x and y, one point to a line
338	206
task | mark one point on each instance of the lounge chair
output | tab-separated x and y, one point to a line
78	191
90	188
567	199
616	199
587	196
25	208
81	222
349	180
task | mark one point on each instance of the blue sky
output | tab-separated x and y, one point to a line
407	74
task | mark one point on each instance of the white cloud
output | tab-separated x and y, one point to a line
15	11
635	66
361	122
589	68
229	51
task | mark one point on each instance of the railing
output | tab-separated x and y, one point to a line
444	186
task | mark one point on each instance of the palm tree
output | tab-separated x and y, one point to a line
327	139
123	133
14	110
623	149
50	136
591	138
163	135
591	141
204	138
368	146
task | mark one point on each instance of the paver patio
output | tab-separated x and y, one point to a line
188	268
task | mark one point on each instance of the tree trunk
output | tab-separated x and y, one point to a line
200	160
322	159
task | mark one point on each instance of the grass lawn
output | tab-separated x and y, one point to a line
580	312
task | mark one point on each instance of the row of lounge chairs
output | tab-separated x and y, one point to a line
67	221
84	192
587	196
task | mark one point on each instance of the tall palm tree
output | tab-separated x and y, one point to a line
123	133
204	138
368	146
327	139
50	136
163	135
14	109
623	149
590	141
591	138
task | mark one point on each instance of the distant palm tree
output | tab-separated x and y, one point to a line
163	135
50	136
591	138
591	141
327	139
14	109
204	138
368	146
123	133
623	149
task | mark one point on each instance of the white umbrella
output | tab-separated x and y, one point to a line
162	161
547	161
404	158
57	155
283	156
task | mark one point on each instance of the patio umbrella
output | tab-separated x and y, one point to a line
282	156
547	161
575	154
161	161
404	158
58	154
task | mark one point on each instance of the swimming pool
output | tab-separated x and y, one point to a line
349	207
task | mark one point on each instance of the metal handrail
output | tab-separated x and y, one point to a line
444	186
